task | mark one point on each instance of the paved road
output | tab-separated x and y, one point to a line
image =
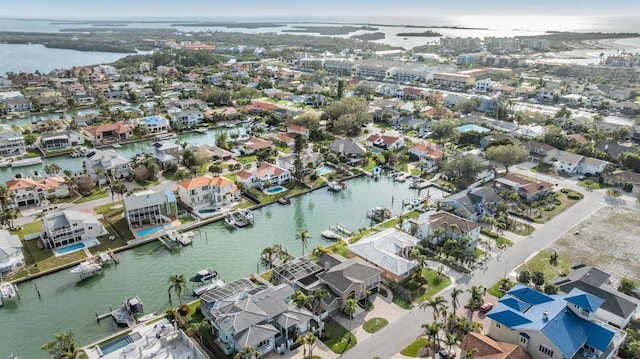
398	334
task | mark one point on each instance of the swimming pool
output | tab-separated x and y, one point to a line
274	190
70	248
375	151
323	170
144	232
208	210
119	343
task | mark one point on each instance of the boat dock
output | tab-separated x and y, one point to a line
119	315
340	229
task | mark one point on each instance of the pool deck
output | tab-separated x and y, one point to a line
158	340
88	243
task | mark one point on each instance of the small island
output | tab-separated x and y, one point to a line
428	33
371	36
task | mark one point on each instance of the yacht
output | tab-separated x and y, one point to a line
248	215
202	130
27	162
87	267
207	287
230	220
379	214
8	291
5	162
204	275
165	136
336	186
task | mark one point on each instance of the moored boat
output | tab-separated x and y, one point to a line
207	287
379	214
284	200
8	291
26	162
204	275
202	130
165	136
329	234
336	186
87	267
230	220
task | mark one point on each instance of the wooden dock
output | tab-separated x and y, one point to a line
340	229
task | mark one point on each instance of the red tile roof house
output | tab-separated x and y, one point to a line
385	142
487	348
298	130
409	93
112	131
529	190
259	107
264	176
254	144
30	191
427	154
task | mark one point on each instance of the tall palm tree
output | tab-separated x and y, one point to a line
476	299
432	332
303	237
350	306
300	299
5	197
450	340
435	304
455	302
99	172
316	299
178	283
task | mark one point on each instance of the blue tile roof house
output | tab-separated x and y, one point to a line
554	326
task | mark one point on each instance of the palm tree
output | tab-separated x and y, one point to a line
197	328
455	293
248	353
451	340
432	332
178	283
435	304
99	172
267	256
303	237
300	299
308	340
476	299
316	300
64	347
350	306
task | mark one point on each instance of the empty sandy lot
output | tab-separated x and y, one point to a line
609	239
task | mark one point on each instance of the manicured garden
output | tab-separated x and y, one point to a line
339	339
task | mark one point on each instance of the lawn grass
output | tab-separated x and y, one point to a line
370	165
361	234
374	324
29	228
565	202
339	247
96	194
591	184
522	229
412	349
401	301
246	159
45	259
339	336
435	283
541	262
266	275
391	223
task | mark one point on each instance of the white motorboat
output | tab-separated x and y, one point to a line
165	136
379	214
134	306
329	234
26	162
248	215
336	186
202	130
230	220
8	291
87	267
204	275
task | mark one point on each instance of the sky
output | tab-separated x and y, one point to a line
288	9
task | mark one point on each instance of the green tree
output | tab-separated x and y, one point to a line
178	284
248	353
435	304
221	141
475	300
198	329
537	278
524	277
349	308
303	237
627	286
507	155
64	347
463	171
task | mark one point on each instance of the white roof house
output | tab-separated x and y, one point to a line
66	227
11	255
108	161
388	250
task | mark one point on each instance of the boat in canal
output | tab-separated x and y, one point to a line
204	275
27	162
129	313
8	291
329	234
379	214
284	200
247	214
198	291
336	186
87	268
202	130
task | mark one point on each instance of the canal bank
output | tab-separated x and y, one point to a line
68	304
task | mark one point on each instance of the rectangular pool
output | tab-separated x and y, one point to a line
118	343
323	170
70	248
144	232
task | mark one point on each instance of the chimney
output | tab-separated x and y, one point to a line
545	316
327	265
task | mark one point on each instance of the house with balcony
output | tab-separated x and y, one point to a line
438	226
66	227
117	131
11	142
243	314
149	207
428	154
18	105
548	326
28	191
618	308
154	124
52	141
309	160
527	189
102	163
207	191
574	164
188	118
384	142
265	176
474	203
354	151
387	250
11	256
541	152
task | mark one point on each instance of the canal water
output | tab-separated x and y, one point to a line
69	304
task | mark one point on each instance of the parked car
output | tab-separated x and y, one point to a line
444	354
486	307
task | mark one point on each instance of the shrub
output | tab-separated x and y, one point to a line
183	309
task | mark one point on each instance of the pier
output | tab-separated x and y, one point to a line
340	229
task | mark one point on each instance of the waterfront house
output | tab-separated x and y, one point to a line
574	164
385	142
102	163
428	154
389	251
207	191
262	317
149	207
254	144
18	105
354	151
166	152
617	309
309	160
547	326
26	191
216	153
487	348
154	124
540	152
473	203
188	118
11	142
438	226
66	227
264	176
60	140
11	256
527	189
117	131
342	278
